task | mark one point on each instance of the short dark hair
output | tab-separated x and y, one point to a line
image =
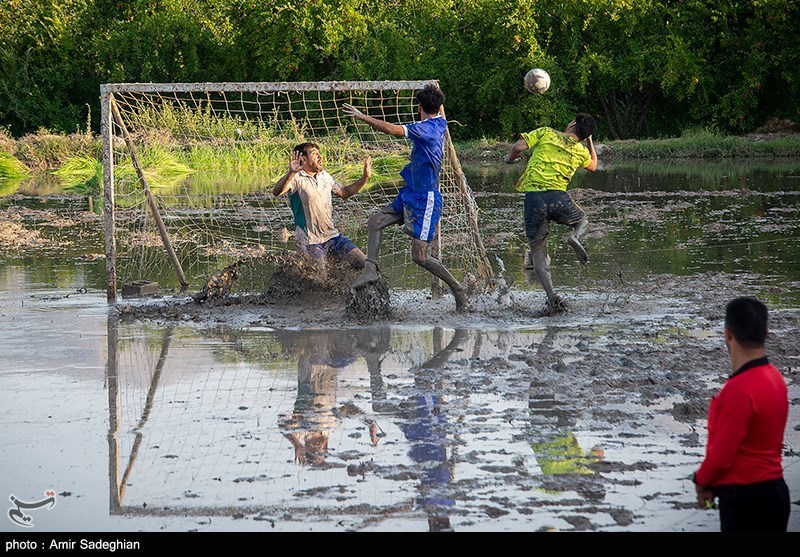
431	98
303	148
585	125
746	318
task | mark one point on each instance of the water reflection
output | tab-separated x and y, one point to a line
425	426
564	464
221	421
320	356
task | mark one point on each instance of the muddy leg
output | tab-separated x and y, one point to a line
528	260
419	253
574	240
375	225
541	264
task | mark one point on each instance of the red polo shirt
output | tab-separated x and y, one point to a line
746	423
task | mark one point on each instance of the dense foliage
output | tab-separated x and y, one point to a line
644	68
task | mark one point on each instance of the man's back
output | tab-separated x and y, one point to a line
554	159
422	172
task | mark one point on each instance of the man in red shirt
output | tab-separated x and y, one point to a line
743	467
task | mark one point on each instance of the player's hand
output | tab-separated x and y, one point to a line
367	167
295	164
508	160
352	111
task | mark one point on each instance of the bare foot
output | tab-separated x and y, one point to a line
583	257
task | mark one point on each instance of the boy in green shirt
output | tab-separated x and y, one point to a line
555	158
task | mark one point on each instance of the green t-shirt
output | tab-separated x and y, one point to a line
555	158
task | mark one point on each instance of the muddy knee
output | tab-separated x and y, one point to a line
375	222
419	253
538	255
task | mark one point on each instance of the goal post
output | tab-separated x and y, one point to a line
189	170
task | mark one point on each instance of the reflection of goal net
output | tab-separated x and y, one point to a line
201	420
189	170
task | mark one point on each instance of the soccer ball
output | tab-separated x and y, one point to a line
537	81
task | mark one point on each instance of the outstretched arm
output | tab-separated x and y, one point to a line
380	125
516	150
356	186
283	184
590	144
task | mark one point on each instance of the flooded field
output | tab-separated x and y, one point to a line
172	416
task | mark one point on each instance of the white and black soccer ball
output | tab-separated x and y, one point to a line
537	81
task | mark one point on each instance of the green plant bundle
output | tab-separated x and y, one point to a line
82	174
11	169
160	167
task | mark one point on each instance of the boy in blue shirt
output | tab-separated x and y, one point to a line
418	205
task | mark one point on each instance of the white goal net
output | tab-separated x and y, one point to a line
189	170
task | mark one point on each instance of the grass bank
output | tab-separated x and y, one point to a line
695	144
47	151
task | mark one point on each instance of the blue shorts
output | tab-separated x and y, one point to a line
337	246
420	212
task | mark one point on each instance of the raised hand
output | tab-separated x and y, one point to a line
295	164
351	111
367	167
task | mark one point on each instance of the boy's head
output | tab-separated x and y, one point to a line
303	148
585	125
746	319
430	99
310	156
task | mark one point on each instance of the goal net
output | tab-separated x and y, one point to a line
189	170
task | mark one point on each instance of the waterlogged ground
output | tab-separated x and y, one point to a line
236	418
162	414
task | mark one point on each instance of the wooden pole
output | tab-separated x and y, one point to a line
108	197
162	230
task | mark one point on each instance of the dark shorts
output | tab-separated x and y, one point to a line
759	507
541	207
418	211
337	246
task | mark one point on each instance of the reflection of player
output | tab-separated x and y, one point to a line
320	355
558	452
425	427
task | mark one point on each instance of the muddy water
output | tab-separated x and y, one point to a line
674	217
273	419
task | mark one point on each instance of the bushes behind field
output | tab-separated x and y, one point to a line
649	68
